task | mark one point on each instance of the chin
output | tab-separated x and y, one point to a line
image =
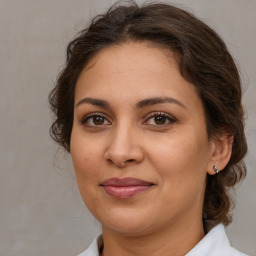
126	223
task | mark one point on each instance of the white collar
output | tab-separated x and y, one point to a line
215	243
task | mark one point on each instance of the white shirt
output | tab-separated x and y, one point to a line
215	243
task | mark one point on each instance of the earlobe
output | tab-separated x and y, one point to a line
220	155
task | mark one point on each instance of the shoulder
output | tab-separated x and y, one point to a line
215	243
94	248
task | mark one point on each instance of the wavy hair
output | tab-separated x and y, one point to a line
203	59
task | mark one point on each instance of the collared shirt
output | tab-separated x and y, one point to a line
215	243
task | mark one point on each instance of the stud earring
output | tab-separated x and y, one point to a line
215	168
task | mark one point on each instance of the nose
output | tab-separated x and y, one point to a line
124	147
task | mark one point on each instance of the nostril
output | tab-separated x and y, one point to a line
130	160
110	161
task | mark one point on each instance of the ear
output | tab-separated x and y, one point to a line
221	149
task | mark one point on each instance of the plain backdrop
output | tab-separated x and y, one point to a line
41	212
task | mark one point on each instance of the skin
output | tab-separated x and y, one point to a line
126	141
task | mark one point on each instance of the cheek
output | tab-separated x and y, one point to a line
85	157
181	159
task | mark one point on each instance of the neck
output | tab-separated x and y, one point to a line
176	240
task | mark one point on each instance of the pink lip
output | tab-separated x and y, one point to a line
126	187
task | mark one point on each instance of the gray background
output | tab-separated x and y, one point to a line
41	212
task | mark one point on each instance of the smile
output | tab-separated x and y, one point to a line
125	188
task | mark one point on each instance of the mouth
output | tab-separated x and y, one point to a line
126	187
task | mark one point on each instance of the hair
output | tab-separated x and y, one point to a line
203	60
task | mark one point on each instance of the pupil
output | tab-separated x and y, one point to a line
160	120
98	120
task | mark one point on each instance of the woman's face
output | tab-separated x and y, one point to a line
139	143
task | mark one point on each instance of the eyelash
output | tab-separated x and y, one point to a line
169	118
91	116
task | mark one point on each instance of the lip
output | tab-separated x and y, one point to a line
125	187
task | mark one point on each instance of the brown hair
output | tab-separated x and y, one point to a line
203	60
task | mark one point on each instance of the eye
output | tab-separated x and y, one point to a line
160	119
95	119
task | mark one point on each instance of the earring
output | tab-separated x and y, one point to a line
215	168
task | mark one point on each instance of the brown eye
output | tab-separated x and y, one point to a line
160	120
94	120
98	120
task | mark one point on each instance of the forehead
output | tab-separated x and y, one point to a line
141	50
133	71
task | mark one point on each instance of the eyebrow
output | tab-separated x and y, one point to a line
140	104
96	102
158	100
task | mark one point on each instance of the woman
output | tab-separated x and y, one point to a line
149	106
